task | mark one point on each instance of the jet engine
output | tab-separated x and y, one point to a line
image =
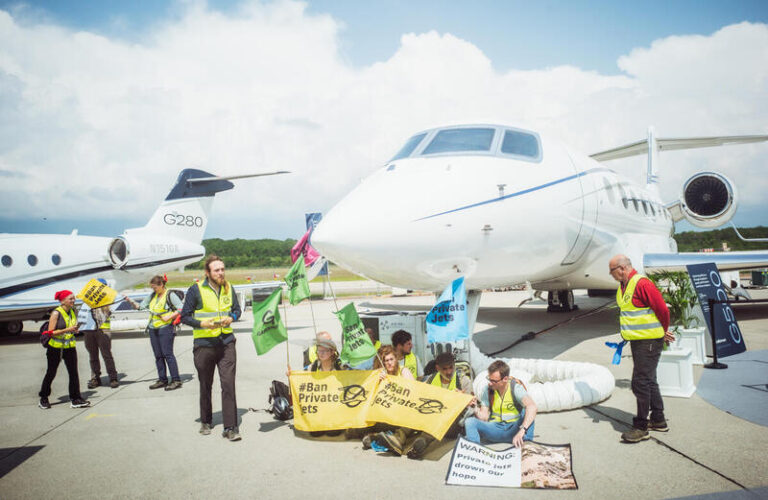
708	200
139	250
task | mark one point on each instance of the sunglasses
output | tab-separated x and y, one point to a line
494	381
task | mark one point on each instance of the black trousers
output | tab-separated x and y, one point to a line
70	361
206	360
645	356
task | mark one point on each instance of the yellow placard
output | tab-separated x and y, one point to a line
417	405
325	401
97	294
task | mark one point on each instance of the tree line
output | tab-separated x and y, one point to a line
277	253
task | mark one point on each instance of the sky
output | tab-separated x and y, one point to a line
102	103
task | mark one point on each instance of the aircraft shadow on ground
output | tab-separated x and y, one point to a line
10	458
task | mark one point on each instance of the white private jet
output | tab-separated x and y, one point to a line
34	266
504	205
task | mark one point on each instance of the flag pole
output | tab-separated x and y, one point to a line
328	279
314	324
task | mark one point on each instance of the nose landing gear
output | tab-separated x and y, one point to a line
560	301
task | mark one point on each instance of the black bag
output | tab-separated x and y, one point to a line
280	403
168	302
45	338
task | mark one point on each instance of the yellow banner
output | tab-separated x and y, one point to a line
97	294
416	405
324	401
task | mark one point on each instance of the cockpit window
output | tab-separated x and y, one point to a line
520	143
461	140
409	147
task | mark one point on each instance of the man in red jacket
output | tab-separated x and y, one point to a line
645	324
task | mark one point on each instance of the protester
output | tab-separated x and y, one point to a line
62	327
327	355
164	308
445	377
210	308
505	412
644	322
403	345
98	338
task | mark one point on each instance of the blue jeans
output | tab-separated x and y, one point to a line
478	431
162	345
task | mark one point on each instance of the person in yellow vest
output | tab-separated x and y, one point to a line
644	322
98	339
62	327
210	308
505	412
164	308
447	378
403	344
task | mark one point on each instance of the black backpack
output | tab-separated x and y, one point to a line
168	303
280	404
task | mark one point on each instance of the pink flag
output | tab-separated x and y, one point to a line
303	247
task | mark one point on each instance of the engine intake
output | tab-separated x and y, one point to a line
136	251
708	200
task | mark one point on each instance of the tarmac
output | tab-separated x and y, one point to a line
137	443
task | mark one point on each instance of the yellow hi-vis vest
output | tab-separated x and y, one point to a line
214	307
409	361
438	382
637	323
312	353
157	306
64	340
504	409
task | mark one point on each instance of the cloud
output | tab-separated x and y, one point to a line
110	123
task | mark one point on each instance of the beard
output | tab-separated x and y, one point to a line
219	281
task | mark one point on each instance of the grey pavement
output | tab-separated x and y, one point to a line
137	443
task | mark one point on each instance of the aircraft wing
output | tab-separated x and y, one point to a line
725	261
671	144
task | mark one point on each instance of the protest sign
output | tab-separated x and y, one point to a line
476	465
268	328
332	400
357	346
296	279
417	405
447	320
97	294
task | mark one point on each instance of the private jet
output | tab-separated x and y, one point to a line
503	205
34	266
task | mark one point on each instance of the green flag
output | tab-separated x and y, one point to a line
296	279
357	344
268	328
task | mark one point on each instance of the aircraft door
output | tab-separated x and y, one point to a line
588	220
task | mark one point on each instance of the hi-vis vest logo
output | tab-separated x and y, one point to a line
226	300
509	406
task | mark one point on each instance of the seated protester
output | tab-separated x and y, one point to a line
505	412
447	378
402	342
327	356
310	353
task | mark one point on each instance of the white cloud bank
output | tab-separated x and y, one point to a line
102	126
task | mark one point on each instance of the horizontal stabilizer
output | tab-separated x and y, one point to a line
725	261
641	147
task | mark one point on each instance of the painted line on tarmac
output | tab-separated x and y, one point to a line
662	443
77	414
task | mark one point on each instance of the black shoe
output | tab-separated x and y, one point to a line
417	448
79	403
231	434
658	426
44	404
158	384
114	383
635	436
94	382
205	429
173	386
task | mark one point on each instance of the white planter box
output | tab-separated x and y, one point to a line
675	373
694	339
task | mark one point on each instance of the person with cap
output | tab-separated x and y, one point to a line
402	342
164	308
62	327
210	308
327	355
644	322
98	338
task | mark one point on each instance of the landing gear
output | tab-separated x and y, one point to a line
560	301
11	328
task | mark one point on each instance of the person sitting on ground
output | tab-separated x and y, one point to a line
327	355
505	412
446	377
402	342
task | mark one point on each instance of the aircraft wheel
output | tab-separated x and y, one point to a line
12	328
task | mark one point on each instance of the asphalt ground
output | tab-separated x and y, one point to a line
137	443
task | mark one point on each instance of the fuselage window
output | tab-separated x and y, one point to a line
32	260
7	260
609	191
409	147
520	143
56	259
461	140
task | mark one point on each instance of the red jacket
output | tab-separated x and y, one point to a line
647	295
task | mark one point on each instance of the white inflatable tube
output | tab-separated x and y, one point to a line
553	385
